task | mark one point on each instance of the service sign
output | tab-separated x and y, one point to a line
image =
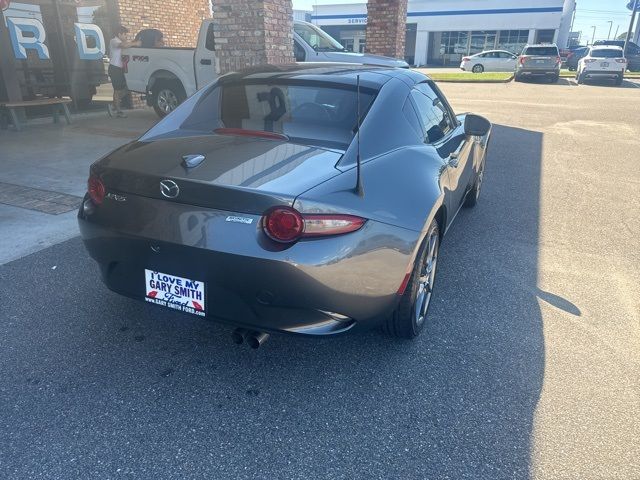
175	292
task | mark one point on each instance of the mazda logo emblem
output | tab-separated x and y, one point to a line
169	188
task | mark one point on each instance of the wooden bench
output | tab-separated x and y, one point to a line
59	105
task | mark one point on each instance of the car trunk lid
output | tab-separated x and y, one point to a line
239	174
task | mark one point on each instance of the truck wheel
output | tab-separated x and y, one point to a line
167	96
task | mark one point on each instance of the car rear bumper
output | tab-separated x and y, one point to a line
316	286
549	72
603	73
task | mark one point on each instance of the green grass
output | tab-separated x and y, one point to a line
472	77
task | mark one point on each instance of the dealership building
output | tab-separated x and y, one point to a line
441	32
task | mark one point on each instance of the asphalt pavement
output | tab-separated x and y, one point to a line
529	366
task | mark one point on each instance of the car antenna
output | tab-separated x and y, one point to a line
359	186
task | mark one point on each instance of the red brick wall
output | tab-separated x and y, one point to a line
179	20
386	25
253	32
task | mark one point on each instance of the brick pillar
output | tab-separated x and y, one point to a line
386	25
253	32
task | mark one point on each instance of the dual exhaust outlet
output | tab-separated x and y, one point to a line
254	339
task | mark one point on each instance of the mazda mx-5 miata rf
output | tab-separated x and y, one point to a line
308	199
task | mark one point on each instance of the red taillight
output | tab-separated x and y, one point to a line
96	189
621	60
251	133
522	60
286	224
283	224
320	225
466	59
558	60
589	60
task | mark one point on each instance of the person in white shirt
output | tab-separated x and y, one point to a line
116	70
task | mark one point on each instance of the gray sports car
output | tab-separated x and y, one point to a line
307	199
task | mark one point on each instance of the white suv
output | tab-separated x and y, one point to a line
602	61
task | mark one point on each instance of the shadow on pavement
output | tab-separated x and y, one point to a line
93	382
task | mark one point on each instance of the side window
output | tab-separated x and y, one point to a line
210	43
434	113
298	51
410	114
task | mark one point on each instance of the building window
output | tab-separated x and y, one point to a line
513	40
545	36
453	45
347	43
481	41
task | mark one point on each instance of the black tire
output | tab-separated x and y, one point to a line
406	321
581	78
620	80
555	79
167	95
471	200
477	68
517	78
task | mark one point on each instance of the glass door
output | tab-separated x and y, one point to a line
482	40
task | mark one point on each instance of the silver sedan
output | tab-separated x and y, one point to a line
490	61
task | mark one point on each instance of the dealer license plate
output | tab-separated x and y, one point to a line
604	64
175	292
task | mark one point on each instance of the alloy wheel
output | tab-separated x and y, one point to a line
167	100
479	180
427	277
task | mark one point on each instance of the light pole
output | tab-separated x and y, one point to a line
616	35
593	37
610	27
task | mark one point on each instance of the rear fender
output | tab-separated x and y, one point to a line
402	189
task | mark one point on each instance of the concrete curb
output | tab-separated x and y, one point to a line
472	81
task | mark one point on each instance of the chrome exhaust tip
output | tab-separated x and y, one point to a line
238	335
256	339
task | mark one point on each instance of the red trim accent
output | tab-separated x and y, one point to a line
251	133
403	285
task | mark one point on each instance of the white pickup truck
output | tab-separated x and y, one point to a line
169	75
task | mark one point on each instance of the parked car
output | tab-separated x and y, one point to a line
279	200
539	61
602	61
490	61
632	54
574	57
169	75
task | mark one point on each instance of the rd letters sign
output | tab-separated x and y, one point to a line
29	34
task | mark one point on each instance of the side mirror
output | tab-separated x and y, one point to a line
476	126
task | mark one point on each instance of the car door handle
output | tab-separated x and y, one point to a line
205	61
453	160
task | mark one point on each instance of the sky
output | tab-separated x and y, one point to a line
589	13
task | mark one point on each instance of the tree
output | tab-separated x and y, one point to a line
623	36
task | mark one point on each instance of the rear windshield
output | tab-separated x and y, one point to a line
541	51
606	53
309	113
302	112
